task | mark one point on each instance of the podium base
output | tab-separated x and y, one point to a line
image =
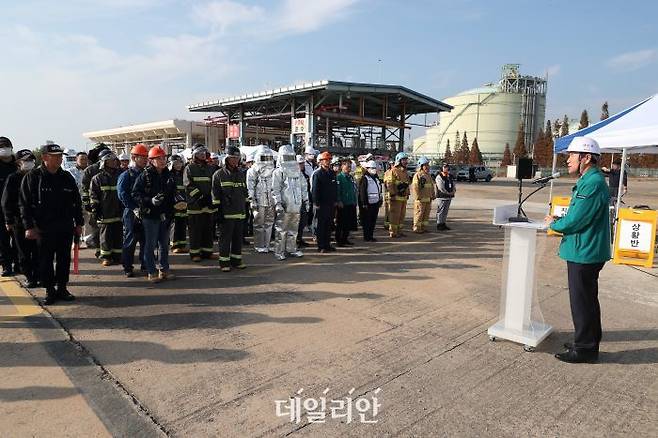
531	336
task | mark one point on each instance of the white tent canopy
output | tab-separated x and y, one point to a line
634	130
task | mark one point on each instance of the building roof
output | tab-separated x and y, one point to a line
485	89
153	129
414	102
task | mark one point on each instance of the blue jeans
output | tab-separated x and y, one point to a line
132	234
156	234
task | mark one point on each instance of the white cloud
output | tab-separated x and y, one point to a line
290	17
631	61
226	13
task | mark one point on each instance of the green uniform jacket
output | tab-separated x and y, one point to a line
346	189
586	226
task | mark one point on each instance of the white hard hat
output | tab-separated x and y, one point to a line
124	157
214	156
310	150
300	159
370	164
585	145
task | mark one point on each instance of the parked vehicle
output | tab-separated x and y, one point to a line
481	173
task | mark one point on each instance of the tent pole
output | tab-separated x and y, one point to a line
621	186
550	191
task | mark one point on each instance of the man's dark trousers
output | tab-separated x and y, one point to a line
585	308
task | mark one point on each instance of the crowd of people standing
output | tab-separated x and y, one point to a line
184	203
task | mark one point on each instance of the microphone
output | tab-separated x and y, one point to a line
546	179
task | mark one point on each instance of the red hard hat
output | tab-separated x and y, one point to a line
157	151
139	149
324	156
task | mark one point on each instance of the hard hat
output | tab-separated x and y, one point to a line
232	151
336	160
124	157
310	150
157	151
175	157
401	156
423	160
369	156
139	149
5	142
69	152
585	145
214	156
324	156
370	164
300	159
25	155
105	152
105	157
187	154
198	148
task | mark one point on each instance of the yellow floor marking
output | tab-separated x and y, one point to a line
22	301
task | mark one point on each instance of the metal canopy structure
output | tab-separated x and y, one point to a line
325	114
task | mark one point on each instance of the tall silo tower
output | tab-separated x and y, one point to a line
491	114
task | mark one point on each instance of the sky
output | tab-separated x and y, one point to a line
82	65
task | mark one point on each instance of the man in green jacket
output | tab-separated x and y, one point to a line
585	247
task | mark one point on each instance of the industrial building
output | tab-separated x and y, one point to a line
492	114
343	117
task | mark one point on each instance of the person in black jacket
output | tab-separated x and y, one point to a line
51	209
28	255
229	196
7	167
154	192
324	194
92	240
108	209
370	199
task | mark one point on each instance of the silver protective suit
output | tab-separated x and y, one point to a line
259	186
290	195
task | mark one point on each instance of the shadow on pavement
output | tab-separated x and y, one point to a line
36	393
122	352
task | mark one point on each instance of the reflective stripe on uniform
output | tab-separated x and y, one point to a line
399	198
224	259
200	178
236	256
232	184
180	187
203	210
180	214
109	220
108	188
235	216
424	200
216	202
207	249
194	192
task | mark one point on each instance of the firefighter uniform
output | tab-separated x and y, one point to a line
197	179
229	196
422	187
397	187
108	211
387	200
179	240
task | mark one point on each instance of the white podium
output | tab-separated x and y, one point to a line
516	322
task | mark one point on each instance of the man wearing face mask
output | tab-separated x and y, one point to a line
197	179
107	209
370	199
51	210
585	247
7	167
179	232
133	232
259	187
28	258
229	196
290	196
91	239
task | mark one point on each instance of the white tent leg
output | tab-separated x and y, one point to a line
621	186
550	190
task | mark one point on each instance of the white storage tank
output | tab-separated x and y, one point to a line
491	113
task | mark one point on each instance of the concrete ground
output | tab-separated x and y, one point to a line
401	320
